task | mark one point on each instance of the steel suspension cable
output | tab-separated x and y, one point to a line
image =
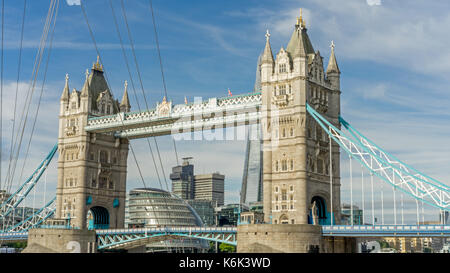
373	201
382	205
106	78
351	192
417	212
134	91
401	198
423	214
395	200
143	92
133	88
42	88
362	194
160	64
1	94
331	182
17	89
25	111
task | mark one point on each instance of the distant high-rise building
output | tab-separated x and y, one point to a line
210	187
186	185
183	180
252	188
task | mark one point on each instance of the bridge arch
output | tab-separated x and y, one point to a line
321	210
97	218
284	219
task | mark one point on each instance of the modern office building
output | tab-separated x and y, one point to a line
188	186
229	215
149	207
346	215
210	187
204	209
183	180
252	189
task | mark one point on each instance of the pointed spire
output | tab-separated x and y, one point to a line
332	63
97	66
65	94
299	44
300	22
267	56
125	104
85	90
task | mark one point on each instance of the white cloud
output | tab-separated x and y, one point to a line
373	2
73	2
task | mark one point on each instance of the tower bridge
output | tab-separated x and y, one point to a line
298	110
94	131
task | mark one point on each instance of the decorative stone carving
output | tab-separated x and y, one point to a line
164	108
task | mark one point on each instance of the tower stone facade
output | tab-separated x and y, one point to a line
296	154
92	168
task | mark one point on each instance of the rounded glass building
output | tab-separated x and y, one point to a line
150	207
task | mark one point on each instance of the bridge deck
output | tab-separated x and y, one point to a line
203	115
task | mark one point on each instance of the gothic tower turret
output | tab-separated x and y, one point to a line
125	103
333	72
295	149
91	167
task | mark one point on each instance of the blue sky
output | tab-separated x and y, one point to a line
394	57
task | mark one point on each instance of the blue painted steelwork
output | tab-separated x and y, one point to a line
17	197
355	132
117	238
36	219
99	219
14	236
415	187
387	231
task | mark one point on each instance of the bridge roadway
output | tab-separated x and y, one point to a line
128	238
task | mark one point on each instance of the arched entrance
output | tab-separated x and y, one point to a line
284	219
321	211
97	218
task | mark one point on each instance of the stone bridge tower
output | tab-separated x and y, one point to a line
296	159
92	167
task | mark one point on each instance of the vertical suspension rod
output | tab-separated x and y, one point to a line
331	182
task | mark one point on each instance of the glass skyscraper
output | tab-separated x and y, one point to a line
252	188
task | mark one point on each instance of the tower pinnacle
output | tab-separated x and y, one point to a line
97	66
85	89
332	63
125	103
65	94
300	21
267	54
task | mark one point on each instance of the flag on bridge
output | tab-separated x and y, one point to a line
229	93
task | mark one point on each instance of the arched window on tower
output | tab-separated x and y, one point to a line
284	165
